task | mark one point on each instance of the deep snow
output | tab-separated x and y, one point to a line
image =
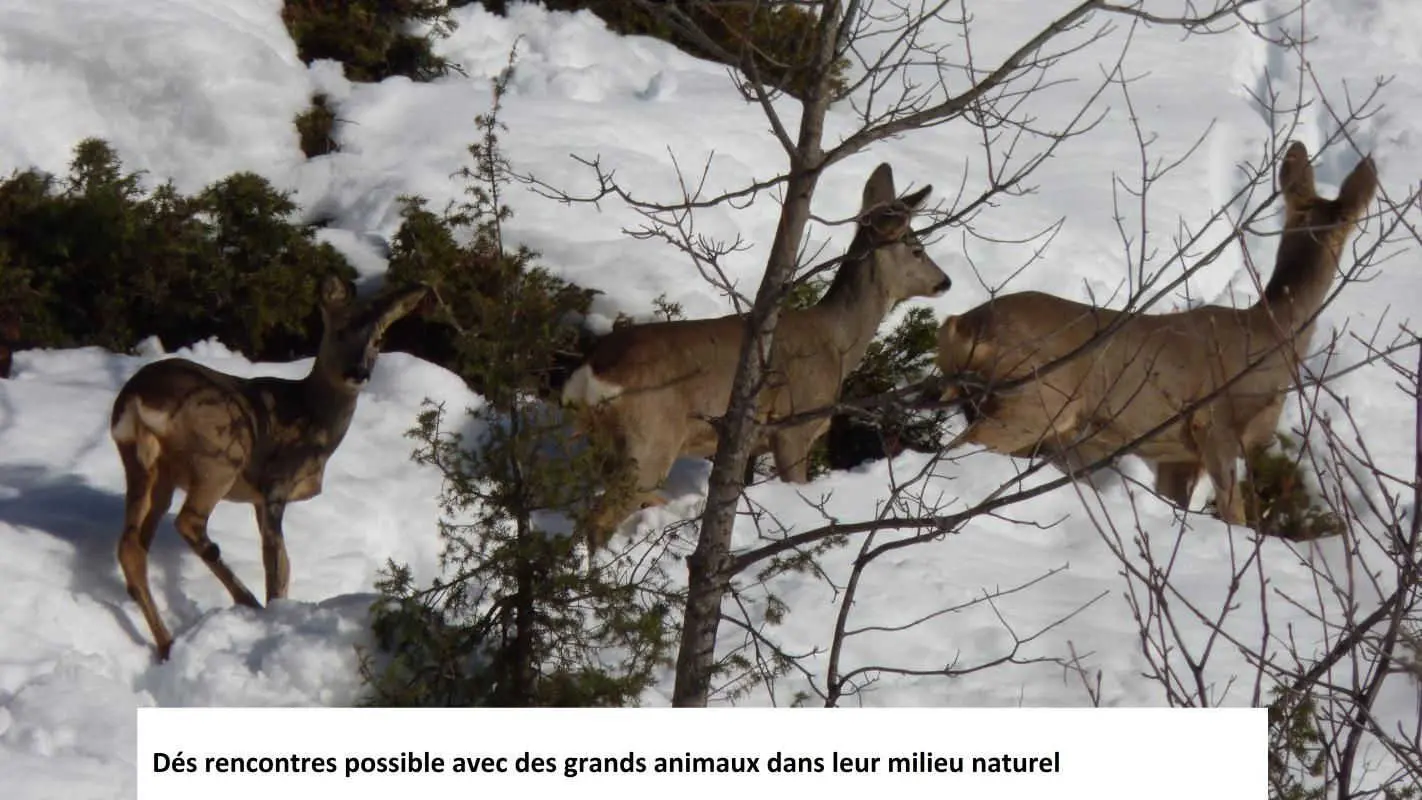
194	89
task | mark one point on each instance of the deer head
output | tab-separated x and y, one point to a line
899	262
352	332
1315	228
1304	208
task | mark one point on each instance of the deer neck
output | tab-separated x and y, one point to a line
853	309
1303	275
330	405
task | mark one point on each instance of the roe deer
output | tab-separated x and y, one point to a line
655	386
1081	397
264	441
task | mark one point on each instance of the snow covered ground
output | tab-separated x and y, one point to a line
194	89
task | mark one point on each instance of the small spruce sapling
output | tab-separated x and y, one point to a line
514	619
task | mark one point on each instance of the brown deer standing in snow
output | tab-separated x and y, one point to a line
1079	396
264	441
655	386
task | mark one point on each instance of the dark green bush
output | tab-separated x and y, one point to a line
94	259
1277	500
901	358
370	37
317	128
777	36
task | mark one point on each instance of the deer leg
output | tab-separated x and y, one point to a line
634	488
1229	502
1175	481
791	449
192	525
274	559
612	509
749	475
148	497
1263	426
1219	452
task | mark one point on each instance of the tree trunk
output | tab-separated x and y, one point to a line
709	567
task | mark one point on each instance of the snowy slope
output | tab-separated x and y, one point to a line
193	89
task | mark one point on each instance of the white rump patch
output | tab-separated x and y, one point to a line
155	420
123	429
585	388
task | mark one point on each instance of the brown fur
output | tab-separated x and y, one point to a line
1116	388
670	377
263	441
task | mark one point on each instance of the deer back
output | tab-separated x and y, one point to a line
688	361
202	421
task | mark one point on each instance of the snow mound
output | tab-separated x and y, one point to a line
188	90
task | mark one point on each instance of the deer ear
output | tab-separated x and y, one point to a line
335	293
1296	174
399	304
1358	188
916	200
879	189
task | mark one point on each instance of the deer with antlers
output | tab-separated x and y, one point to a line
263	441
1189	391
656	386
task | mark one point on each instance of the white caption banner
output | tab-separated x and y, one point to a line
355	754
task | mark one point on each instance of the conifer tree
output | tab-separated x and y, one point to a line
515	619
